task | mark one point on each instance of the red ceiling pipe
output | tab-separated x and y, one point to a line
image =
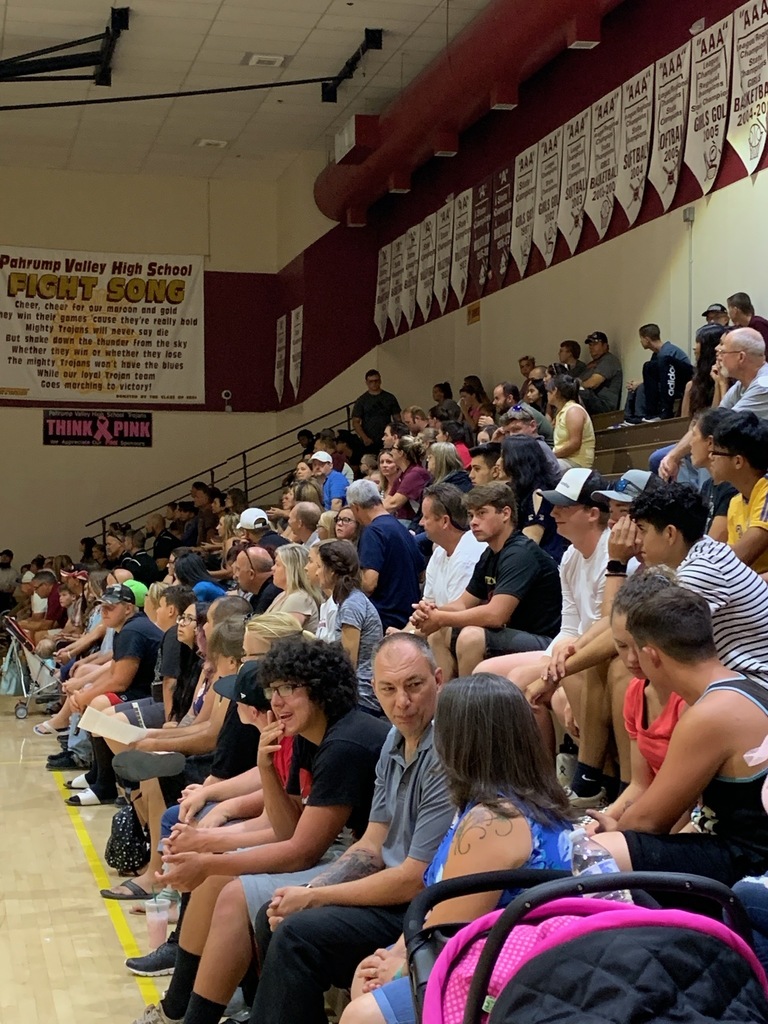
507	43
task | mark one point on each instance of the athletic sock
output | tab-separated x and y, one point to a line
587	781
203	1011
176	999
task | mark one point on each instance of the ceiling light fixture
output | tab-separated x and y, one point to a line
263	60
211	143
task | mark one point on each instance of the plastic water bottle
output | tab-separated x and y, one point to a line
590	858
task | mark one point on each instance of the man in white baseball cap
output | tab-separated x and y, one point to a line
334	483
623	492
255	523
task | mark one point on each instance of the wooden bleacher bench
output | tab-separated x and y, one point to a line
630	447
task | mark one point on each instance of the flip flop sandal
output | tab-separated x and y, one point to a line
46	729
87	798
135	892
77	783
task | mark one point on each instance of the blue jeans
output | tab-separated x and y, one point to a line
688	473
754	896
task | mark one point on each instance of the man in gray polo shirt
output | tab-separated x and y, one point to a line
357	905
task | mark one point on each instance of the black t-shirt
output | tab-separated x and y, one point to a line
261	601
142	566
165	542
169	656
343	766
522	570
139	638
375	412
236	748
388	548
718	498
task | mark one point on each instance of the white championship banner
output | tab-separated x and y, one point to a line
426	281
671	112
708	108
523	207
603	161
281	329
297	341
382	290
411	275
748	122
462	235
397	273
575	177
443	253
549	164
113	326
635	141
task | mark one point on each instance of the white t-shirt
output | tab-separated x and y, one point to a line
583	583
447	575
39	604
738	600
326	629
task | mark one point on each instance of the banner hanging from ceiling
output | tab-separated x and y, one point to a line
382	290
480	247
603	161
443	253
501	224
748	121
635	141
117	326
462	235
523	207
708	109
673	74
397	272
548	166
411	274
427	250
575	177
281	331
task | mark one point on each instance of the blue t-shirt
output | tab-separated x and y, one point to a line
335	486
387	546
205	591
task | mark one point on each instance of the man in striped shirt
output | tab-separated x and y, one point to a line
671	522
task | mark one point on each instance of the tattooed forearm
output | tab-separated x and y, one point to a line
477	825
349	867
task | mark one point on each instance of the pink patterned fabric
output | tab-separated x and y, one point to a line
550	925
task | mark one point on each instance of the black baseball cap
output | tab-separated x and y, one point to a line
118	593
244	687
596	336
716	307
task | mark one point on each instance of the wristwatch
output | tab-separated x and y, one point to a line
616	568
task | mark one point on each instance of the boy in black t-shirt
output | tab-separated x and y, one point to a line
313	691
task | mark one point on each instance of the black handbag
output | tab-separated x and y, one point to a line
127	849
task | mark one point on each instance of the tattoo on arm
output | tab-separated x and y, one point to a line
476	826
349	867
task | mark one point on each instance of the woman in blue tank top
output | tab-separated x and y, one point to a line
510	813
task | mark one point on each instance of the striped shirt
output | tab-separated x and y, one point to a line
738	600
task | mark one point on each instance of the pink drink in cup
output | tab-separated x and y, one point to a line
157	921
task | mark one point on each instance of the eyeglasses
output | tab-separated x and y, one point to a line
284	690
186	620
725	455
345	520
729	351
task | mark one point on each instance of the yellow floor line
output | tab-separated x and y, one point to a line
149	990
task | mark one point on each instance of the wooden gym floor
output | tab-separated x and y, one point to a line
62	946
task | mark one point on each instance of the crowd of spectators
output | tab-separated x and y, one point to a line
451	625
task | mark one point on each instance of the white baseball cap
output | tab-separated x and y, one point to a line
577	487
252	519
631	484
320	457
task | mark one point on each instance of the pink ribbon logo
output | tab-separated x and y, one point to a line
103	432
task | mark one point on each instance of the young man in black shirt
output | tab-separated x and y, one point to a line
512	602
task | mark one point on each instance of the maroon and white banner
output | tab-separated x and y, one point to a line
603	161
480	246
549	166
411	275
673	74
117	327
297	337
281	330
397	273
708	108
501	224
382	289
427	250
104	429
575	177
748	120
462	236
635	141
523	207
443	253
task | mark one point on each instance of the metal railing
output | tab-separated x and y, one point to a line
258	470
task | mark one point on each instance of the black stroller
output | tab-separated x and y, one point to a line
587	961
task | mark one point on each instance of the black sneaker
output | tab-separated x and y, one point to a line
159	962
62	761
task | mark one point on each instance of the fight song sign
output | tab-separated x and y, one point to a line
97	429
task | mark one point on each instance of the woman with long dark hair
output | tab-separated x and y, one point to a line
510	813
700	389
190	571
358	625
529	470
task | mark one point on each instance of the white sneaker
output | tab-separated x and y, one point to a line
154	1015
